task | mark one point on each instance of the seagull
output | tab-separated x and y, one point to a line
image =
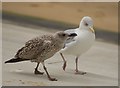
41	48
81	43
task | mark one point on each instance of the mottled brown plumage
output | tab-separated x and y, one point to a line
41	48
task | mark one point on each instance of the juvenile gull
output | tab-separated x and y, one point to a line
41	48
81	43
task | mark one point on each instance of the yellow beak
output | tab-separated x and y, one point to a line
91	29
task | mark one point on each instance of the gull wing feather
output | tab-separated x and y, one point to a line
31	49
70	39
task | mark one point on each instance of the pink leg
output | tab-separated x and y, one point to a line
76	70
36	70
51	79
64	65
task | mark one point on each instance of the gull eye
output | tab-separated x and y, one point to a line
63	34
86	24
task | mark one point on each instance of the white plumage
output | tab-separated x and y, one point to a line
81	43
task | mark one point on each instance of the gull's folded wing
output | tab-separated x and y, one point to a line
70	39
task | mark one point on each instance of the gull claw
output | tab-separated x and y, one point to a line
80	72
52	79
38	72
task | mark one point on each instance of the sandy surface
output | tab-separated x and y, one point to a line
101	63
105	15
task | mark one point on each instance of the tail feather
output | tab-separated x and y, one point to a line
14	60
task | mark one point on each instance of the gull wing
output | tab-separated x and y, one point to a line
31	49
70	39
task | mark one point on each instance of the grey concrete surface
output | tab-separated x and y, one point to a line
100	62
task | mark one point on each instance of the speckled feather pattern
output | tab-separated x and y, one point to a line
40	48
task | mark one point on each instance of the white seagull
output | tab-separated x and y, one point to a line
81	43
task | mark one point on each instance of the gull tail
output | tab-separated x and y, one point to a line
14	60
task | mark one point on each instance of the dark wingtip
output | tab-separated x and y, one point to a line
15	60
73	34
9	61
5	62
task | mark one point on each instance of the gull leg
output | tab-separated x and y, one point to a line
64	65
77	71
36	70
51	79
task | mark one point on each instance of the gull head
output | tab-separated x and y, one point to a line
63	36
87	24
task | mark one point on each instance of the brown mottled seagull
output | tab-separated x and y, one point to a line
41	48
81	43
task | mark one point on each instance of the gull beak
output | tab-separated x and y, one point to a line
91	29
